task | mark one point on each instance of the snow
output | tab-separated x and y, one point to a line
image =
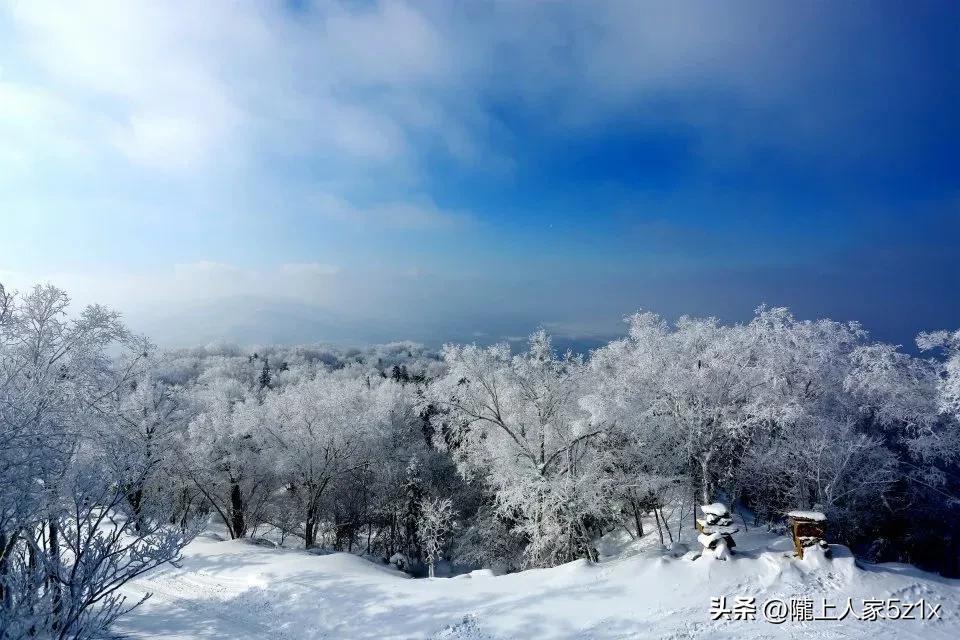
707	540
721	551
718	528
816	557
816	516
715	509
481	573
232	589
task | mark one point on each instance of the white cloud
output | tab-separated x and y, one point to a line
139	77
181	85
165	141
174	85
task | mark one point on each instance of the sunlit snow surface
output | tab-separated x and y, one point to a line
231	589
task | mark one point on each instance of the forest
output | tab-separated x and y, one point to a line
114	454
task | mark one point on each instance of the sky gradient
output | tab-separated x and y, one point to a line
368	171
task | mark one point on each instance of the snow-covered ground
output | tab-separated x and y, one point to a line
236	589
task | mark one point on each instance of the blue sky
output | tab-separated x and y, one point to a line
303	171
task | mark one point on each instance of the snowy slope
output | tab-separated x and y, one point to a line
234	589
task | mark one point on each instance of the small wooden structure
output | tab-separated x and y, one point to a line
807	528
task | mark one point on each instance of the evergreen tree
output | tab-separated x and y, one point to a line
265	374
413	494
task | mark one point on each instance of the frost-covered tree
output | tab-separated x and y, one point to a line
140	439
778	412
410	508
694	390
949	383
436	519
106	446
322	427
225	453
854	425
516	420
895	395
68	538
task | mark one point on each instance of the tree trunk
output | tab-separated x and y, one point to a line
135	497
636	517
745	527
310	532
666	526
705	479
7	545
588	549
392	548
187	503
238	523
53	575
33	587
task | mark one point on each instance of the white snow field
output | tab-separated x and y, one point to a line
236	589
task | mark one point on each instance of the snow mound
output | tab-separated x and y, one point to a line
261	542
816	557
466	629
476	573
481	573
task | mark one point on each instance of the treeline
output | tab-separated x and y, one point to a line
112	454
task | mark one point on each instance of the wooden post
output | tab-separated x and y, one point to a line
807	529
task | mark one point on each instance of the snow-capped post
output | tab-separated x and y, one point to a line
716	530
807	528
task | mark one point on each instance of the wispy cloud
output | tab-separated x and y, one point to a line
180	86
395	215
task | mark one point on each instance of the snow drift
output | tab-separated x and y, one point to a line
232	589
